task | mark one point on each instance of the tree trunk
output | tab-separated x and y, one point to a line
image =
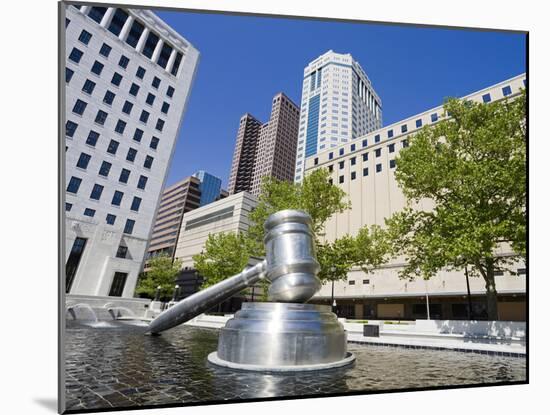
492	304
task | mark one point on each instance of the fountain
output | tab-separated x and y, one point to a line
87	312
282	335
119	312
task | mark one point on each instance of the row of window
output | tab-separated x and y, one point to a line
377	153
137	29
84	158
75	182
93	136
109	218
353	175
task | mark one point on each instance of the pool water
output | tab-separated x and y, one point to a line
114	365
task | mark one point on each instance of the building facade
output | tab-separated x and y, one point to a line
265	149
338	105
176	200
364	169
226	215
210	187
128	78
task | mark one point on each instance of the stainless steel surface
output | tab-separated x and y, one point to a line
282	336
205	299
290	265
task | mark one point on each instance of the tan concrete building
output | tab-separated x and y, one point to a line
226	215
364	169
265	149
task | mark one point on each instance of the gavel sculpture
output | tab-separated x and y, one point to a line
283	334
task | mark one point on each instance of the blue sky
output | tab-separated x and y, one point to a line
246	60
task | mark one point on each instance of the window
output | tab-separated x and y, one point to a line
341	179
165	107
134	34
115	80
79	107
156	82
68	74
418	123
129	227
89	212
316	161
365	143
390	133
331	168
110	219
392	164
486	98
138	135
113	147
85	37
83	161
433	117
506	91
124	175
135	204
92	138
391	148
117	287
140	73
70	128
123	62
134	89
177	62
97	68
122	251
150	44
101	117
170	91
97	13
144	117
405	143
378	168
88	86
73	261
105	169
340	165
341	152
96	192
67	21
105	50
142	182
521	271
378	152
109	97
148	162
117	198
365	156
154	143
164	55
118	21
127	107
352	175
120	127
365	171
352	282
131	156
150	99
76	55
377	138
352	147
160	124
68	206
330	155
404	128
352	161
74	184
366	282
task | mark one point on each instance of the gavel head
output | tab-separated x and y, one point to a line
290	257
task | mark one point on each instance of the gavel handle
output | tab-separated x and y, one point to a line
205	299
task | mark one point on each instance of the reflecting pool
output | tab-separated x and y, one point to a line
112	364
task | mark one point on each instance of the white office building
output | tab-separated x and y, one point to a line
128	76
364	170
339	104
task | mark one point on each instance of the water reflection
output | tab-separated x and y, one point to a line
120	367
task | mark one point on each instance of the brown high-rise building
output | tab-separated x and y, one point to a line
265	150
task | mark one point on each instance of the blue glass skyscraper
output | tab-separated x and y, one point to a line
210	187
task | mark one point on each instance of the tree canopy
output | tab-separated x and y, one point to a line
472	167
162	272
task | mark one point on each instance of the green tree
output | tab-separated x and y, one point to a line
162	272
224	255
473	169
